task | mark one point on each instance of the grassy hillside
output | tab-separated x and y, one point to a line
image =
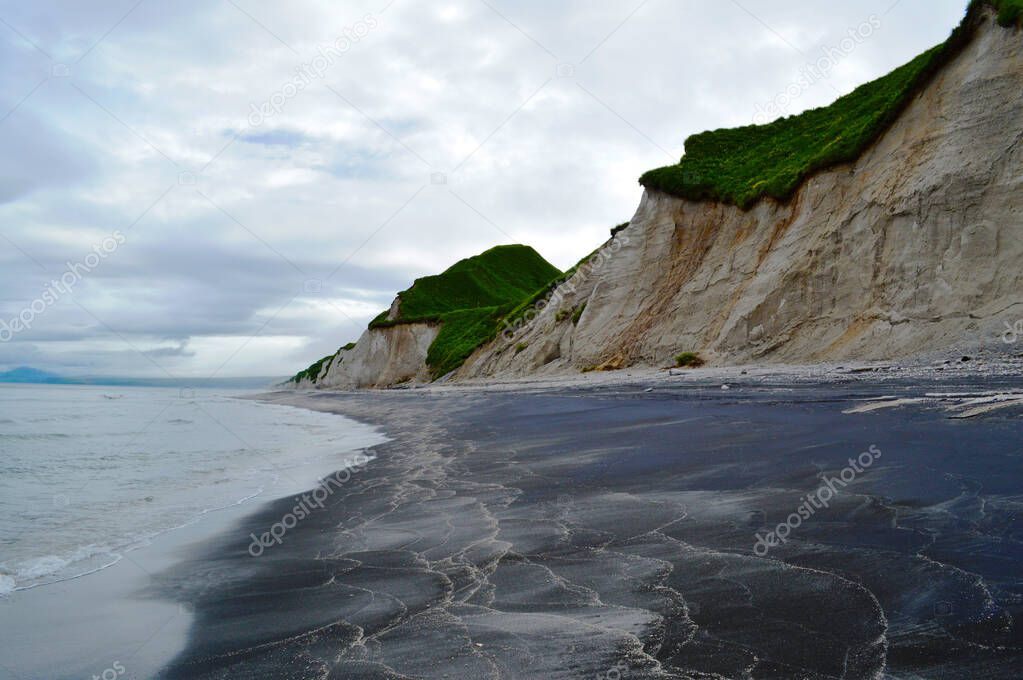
314	369
1010	12
742	165
494	278
520	311
469	299
461	332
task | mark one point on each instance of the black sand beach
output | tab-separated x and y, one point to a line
612	533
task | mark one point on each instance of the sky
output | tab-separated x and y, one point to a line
236	187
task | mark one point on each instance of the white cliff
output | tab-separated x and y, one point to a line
914	248
382	357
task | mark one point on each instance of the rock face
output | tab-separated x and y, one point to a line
914	248
382	357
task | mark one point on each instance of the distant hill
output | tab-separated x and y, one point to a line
26	374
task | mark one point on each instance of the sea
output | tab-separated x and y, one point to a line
90	474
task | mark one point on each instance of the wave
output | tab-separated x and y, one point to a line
33	436
190	488
34	572
89	559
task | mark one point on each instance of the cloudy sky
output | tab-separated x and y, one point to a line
235	187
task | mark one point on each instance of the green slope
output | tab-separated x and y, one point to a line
743	165
1010	12
494	278
469	299
314	369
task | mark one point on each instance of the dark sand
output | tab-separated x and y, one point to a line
609	533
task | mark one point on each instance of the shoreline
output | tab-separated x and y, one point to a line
143	628
429	564
969	367
478	494
978	387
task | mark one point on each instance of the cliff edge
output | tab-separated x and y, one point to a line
887	225
914	247
432	327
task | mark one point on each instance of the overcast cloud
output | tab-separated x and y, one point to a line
257	240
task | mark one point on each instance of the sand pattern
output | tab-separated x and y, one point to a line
611	535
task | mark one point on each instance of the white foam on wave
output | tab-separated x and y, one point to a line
86	559
90	559
161	487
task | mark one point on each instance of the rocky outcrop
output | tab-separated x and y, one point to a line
382	357
914	248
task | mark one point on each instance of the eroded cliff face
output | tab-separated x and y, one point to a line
382	357
917	247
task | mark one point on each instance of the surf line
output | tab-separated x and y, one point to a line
307	504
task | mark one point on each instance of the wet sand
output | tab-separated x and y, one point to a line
610	532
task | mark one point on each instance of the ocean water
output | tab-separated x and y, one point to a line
90	474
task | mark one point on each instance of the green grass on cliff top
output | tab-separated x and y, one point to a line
499	276
1010	12
742	165
313	371
469	300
